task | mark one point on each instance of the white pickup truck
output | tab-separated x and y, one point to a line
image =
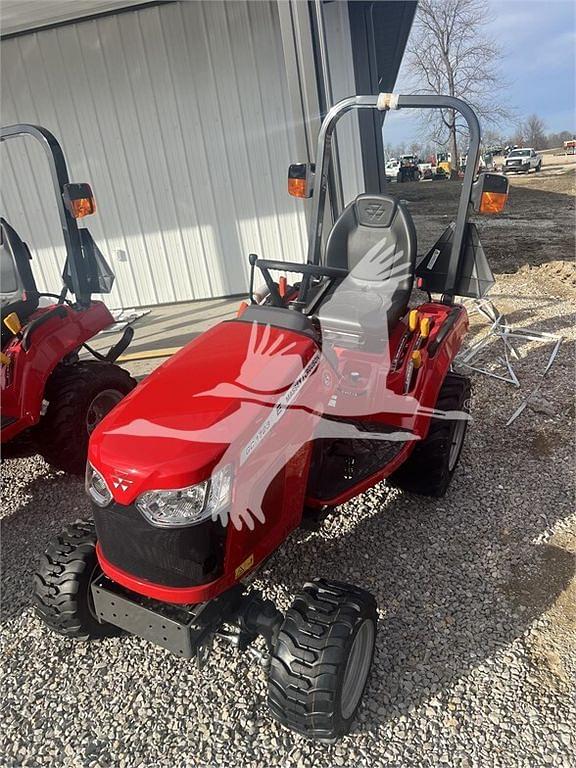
392	168
524	159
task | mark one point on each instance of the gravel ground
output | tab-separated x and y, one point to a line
475	662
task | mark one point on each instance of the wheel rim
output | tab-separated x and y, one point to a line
357	668
456	444
100	406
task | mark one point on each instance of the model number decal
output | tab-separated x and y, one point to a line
279	409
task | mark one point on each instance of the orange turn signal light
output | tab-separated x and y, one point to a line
300	179
84	206
79	200
493	202
297	187
489	193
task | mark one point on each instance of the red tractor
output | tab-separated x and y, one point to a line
315	392
52	399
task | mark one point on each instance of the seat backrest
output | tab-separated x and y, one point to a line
9	277
375	240
16	273
373	236
18	287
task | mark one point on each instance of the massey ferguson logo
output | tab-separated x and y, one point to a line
375	211
121	482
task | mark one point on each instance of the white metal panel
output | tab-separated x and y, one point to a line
19	15
339	43
179	117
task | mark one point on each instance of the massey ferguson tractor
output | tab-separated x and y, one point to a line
51	398
317	391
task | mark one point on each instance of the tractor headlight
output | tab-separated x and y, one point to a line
96	487
187	506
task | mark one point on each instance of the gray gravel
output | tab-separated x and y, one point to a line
476	659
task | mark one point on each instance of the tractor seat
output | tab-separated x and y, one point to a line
374	238
19	292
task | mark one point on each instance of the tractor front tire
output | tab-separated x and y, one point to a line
431	465
322	658
79	395
62	595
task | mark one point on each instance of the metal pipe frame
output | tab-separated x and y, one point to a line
59	175
323	156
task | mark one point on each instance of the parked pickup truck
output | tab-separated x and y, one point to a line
523	159
392	168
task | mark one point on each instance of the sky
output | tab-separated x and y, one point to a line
538	43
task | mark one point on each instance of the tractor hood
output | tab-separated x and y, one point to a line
173	429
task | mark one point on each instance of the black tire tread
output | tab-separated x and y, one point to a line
61	583
426	471
61	436
310	655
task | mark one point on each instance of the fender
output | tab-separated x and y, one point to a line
23	380
429	380
431	377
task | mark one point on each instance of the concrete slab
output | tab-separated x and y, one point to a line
165	329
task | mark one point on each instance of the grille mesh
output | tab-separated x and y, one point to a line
172	557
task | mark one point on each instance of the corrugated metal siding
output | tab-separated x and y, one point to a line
20	15
178	115
337	28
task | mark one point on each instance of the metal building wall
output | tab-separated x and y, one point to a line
337	28
179	117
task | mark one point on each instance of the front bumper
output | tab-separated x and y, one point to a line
520	167
168	557
178	629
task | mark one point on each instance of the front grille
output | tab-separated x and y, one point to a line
171	557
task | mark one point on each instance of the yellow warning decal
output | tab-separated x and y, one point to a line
243	567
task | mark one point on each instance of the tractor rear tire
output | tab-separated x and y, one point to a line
62	582
78	395
431	465
322	659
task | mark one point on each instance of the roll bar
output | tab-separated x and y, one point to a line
59	175
385	102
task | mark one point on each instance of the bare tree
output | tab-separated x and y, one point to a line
450	53
534	131
492	138
415	149
556	140
519	136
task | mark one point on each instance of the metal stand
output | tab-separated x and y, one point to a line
501	330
